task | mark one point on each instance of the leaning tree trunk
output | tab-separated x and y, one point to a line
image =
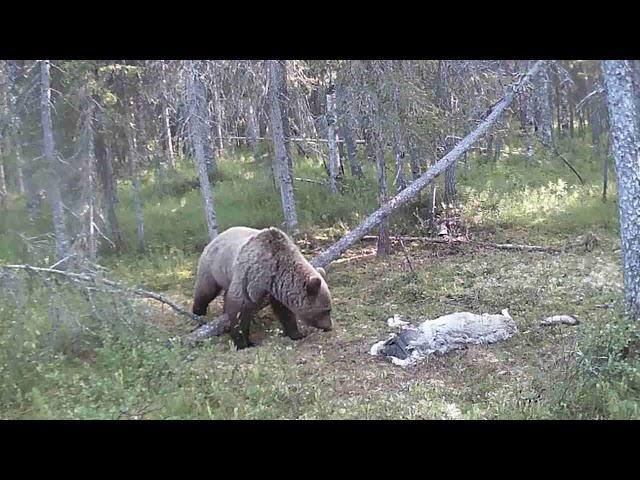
132	155
55	195
282	158
334	251
334	155
625	136
197	111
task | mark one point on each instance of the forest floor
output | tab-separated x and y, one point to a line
332	375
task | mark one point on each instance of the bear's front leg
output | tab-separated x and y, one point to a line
287	319
239	331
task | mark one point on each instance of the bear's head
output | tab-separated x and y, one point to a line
315	309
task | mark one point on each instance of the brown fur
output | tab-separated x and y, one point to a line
260	267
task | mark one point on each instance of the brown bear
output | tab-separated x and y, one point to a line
256	268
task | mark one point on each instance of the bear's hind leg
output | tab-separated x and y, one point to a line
206	291
287	319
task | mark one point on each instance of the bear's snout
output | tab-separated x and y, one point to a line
324	323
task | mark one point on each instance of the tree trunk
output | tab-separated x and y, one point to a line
91	180
55	195
625	136
217	109
414	160
347	131
19	173
282	158
544	113
558	99
3	178
334	155
384	246
171	156
107	180
132	155
285	112
253	128
399	149
636	87
450	187
334	251
197	111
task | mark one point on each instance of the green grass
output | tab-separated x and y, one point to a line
109	358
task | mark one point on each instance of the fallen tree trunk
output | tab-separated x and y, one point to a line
334	251
499	246
216	327
96	280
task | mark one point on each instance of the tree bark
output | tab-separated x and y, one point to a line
3	178
384	246
543	103
253	128
91	179
334	251
197	112
623	116
334	155
282	158
132	155
171	156
399	149
55	195
106	176
217	108
346	130
414	160
450	185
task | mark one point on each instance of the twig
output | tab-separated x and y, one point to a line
404	250
59	262
309	180
563	158
582	102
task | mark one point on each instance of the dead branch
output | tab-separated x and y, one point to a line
405	196
500	246
308	180
96	280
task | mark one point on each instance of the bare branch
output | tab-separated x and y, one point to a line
95	280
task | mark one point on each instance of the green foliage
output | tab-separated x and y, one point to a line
99	358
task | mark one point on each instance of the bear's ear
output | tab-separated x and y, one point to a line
322	272
313	285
